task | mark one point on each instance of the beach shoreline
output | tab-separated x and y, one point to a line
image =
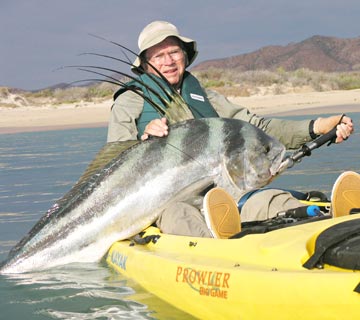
91	114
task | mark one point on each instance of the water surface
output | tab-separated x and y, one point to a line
39	167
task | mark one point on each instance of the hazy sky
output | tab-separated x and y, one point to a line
39	36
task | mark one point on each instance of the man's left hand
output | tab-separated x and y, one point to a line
343	129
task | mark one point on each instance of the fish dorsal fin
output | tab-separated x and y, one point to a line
177	110
172	106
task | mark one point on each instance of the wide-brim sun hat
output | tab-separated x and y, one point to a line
158	31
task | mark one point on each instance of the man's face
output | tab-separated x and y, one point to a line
169	58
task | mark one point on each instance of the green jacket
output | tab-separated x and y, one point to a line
191	91
128	107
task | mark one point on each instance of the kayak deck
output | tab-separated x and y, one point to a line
253	277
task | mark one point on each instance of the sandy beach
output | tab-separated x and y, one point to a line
61	117
89	114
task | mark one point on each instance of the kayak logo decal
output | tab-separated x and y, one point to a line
207	283
119	259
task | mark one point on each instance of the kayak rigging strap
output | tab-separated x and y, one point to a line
139	239
314	196
257	227
338	246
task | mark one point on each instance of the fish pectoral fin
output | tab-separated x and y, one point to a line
191	193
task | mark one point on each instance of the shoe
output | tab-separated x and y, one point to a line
345	195
221	214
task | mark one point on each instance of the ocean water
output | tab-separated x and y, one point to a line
39	167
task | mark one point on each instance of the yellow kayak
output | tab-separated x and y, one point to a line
257	276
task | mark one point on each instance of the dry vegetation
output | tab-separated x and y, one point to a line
260	82
13	98
227	82
73	94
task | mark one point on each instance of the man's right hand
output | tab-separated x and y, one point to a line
157	128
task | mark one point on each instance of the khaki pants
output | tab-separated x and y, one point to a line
182	218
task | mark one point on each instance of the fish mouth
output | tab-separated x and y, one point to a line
279	164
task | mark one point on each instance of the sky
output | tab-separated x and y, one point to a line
39	37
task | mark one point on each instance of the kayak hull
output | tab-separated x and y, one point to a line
258	276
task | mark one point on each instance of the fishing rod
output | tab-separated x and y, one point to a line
306	149
288	162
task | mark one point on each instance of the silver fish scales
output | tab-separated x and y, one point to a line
116	200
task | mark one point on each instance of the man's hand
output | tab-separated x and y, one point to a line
157	128
343	129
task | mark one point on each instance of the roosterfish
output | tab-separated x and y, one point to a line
128	184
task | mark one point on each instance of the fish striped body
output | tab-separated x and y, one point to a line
129	193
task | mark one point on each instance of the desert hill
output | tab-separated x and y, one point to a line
318	53
325	63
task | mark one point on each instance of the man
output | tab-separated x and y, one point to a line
170	53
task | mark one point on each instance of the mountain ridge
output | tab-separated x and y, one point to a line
317	53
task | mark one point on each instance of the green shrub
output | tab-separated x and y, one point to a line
251	80
349	81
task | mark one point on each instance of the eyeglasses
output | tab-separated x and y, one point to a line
175	55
